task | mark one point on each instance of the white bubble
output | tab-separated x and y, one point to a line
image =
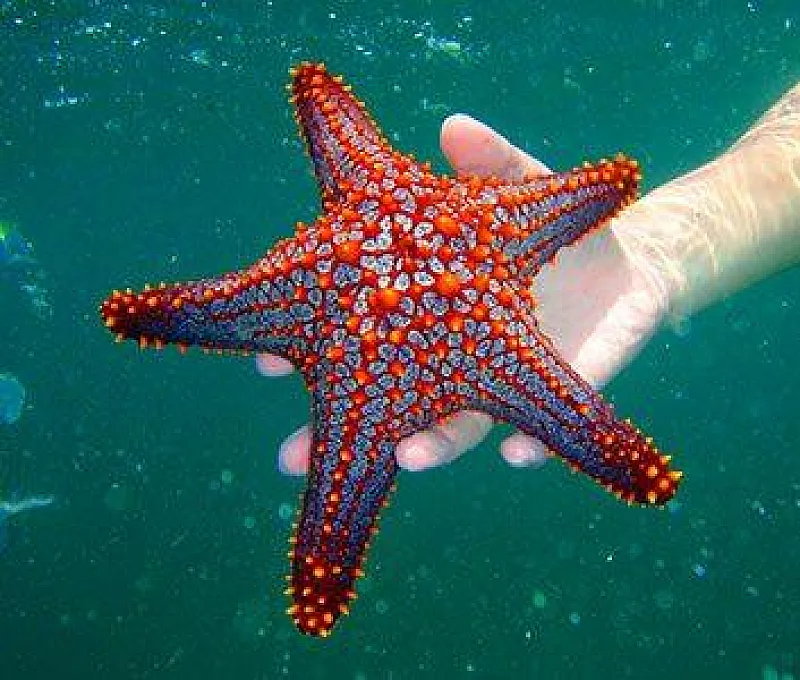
285	511
12	399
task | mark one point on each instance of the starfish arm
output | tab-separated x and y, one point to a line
346	146
265	308
352	471
526	383
532	220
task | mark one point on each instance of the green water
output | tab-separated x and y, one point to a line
146	141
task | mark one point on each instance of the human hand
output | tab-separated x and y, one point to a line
599	303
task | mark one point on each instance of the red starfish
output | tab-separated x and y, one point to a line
406	301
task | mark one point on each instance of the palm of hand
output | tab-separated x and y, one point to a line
594	303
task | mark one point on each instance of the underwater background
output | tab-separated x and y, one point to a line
147	141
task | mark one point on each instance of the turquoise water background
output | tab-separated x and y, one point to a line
147	141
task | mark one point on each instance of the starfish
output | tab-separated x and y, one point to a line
407	300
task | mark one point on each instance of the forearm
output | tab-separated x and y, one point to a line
730	223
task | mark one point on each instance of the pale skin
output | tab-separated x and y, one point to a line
683	246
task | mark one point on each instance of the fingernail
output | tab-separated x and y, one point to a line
520	450
419	452
293	453
272	366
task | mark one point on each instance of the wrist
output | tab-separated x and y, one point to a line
709	233
683	239
729	223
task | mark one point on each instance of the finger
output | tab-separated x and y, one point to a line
443	443
273	366
474	148
424	450
294	452
520	450
465	430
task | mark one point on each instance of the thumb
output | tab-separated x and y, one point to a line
474	148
